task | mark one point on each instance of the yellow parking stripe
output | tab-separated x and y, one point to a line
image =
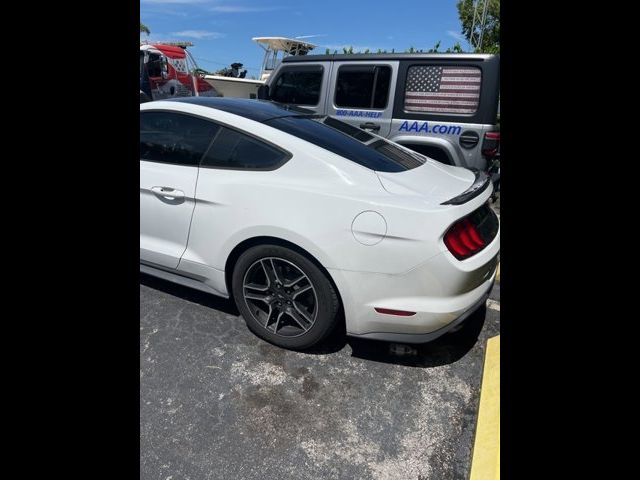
498	273
486	451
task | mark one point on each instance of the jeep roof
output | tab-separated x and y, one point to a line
388	56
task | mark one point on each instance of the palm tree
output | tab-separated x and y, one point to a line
144	29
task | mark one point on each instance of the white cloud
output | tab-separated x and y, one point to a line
302	37
241	9
456	35
199	34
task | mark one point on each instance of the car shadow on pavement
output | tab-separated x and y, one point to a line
445	350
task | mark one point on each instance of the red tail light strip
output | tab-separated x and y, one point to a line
389	311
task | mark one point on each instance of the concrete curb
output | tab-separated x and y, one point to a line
485	464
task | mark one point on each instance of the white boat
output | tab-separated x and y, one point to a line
276	48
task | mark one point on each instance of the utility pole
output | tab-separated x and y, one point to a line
480	8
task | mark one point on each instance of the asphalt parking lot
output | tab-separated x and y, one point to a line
216	402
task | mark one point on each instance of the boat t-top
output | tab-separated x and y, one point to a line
276	48
233	83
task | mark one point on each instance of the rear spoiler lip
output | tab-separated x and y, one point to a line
480	184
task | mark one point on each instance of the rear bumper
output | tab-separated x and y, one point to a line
427	337
442	293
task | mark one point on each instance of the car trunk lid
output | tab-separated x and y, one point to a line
435	182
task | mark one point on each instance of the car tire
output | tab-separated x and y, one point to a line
284	297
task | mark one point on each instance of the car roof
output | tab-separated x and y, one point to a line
258	110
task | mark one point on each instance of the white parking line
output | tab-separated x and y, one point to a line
493	305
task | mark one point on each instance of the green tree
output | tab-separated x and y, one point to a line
491	37
457	48
435	48
144	29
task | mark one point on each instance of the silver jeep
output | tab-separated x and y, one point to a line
442	105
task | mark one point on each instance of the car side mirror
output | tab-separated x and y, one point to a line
263	92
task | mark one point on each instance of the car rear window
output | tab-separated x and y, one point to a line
349	142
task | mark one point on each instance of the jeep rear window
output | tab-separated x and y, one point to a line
442	89
349	142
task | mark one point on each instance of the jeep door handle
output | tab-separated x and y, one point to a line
168	192
370	126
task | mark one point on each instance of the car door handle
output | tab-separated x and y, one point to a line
168	192
370	126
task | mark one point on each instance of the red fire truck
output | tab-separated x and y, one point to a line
168	70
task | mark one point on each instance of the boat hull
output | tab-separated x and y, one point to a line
234	87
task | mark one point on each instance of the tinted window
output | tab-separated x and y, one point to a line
406	159
442	89
349	129
363	87
433	152
154	65
174	138
298	86
232	149
349	142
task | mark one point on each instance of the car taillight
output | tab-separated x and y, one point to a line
472	233
390	311
491	144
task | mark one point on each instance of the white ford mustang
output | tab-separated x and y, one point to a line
306	221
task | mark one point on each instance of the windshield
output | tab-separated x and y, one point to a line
350	142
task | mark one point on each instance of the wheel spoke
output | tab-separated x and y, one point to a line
275	328
270	270
300	318
300	291
255	286
274	316
258	297
303	312
267	273
294	282
275	272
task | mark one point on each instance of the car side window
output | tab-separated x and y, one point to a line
442	89
234	150
363	86
298	86
176	138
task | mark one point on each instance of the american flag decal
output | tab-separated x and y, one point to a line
442	89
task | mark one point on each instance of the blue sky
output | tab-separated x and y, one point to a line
222	29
